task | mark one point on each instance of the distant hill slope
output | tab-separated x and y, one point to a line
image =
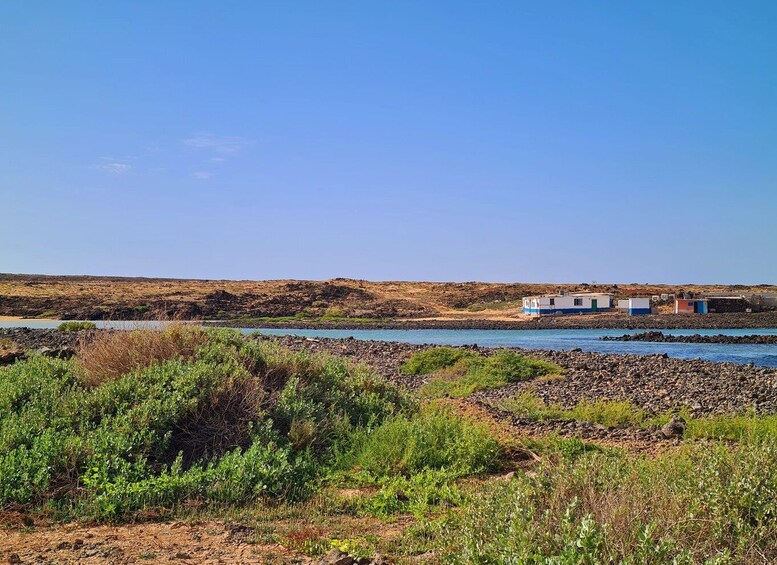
90	297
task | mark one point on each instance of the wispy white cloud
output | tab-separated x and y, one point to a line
113	166
218	144
215	160
202	175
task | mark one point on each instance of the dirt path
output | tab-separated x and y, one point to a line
171	542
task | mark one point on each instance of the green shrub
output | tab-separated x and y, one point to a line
742	427
435	439
434	359
699	504
74	326
624	413
235	421
416	461
610	413
470	373
418	493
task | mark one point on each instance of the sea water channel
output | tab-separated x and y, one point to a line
588	340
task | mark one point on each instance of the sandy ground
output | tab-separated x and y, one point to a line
171	542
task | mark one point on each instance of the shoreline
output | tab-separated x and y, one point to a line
608	321
760	320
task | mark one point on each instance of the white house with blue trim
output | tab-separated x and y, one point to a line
635	306
567	303
639	306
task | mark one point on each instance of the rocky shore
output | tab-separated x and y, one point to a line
755	320
656	383
15	342
661	337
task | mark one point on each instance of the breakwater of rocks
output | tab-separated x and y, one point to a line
661	337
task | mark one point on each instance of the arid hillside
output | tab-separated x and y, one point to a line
97	298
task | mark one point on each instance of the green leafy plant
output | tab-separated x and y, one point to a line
75	326
459	372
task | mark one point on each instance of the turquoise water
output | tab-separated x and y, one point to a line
587	340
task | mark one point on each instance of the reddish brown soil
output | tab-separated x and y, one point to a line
171	542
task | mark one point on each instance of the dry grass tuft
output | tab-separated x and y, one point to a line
222	423
109	355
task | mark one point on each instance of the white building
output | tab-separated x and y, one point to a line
638	306
562	303
634	306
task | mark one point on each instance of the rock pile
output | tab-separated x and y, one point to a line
661	337
52	343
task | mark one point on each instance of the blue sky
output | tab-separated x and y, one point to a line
497	141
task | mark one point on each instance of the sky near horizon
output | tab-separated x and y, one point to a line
494	141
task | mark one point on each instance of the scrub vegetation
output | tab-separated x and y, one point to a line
154	418
75	326
699	504
623	413
457	373
314	453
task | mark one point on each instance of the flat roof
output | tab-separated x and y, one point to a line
577	294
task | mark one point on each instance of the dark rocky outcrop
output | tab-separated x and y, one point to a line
661	337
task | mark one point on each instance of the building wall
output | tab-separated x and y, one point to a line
682	306
639	304
565	304
728	304
687	306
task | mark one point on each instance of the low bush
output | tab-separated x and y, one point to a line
459	376
741	427
434	359
434	439
624	413
610	413
418	493
229	420
74	326
699	504
416	461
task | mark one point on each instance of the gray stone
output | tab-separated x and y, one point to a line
675	427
